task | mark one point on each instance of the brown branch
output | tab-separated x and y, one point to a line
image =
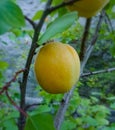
70	2
5	89
84	38
98	72
31	22
108	21
7	85
14	104
33	105
92	43
31	53
64	104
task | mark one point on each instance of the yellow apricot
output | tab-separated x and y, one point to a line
88	8
57	67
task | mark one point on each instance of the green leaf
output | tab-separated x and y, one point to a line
56	2
41	109
111	98
109	128
10	125
112	2
3	65
102	121
42	121
90	120
57	26
112	106
37	15
68	125
10	16
112	49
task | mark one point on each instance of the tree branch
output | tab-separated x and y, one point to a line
64	104
84	38
33	47
92	43
97	72
14	104
7	85
31	22
70	2
108	21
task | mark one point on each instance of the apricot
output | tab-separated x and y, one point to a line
57	67
88	8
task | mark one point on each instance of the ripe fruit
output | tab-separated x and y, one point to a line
88	8
57	67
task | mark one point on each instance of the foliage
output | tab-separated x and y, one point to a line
93	103
8	10
40	121
60	24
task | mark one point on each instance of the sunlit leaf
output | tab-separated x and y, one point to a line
3	65
37	15
58	26
42	121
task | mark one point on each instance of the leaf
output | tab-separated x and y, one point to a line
112	49
109	128
68	125
111	98
3	65
10	16
112	106
90	120
10	125
57	26
41	109
37	15
102	121
112	2
42	121
56	2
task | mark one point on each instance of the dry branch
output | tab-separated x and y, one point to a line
84	38
64	104
7	84
98	72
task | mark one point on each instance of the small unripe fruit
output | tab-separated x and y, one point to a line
57	67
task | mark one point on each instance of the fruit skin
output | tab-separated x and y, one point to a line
88	8
57	67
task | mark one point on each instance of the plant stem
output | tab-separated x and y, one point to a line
33	47
98	72
64	105
14	104
70	2
84	38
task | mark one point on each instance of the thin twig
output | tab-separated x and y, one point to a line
109	21
31	22
33	47
70	2
64	104
33	105
5	87
15	105
97	72
84	38
92	43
